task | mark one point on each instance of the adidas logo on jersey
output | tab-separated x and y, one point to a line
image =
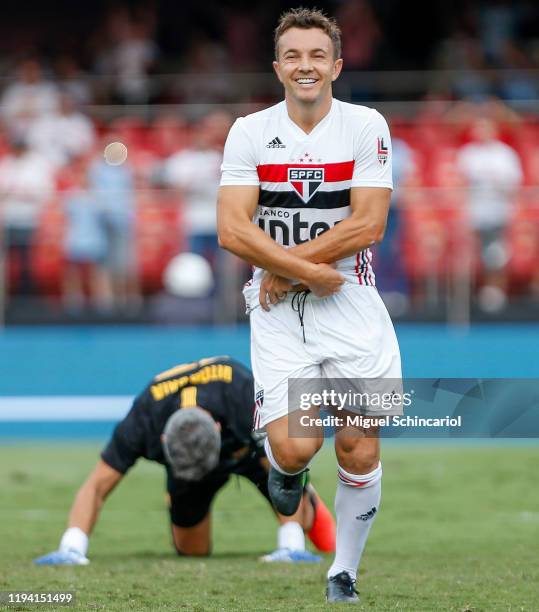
275	144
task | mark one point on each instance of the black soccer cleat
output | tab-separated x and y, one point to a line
285	491
341	589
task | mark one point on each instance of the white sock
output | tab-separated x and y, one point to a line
291	536
356	503
273	462
74	539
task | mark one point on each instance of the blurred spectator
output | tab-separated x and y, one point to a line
85	247
63	135
493	172
129	59
196	172
487	36
361	34
29	97
464	112
518	82
207	65
498	24
114	190
168	134
26	186
73	81
132	60
461	53
404	164
242	40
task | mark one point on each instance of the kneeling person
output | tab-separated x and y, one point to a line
195	419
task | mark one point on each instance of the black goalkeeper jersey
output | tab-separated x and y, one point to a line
220	385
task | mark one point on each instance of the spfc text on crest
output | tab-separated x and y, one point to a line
305	181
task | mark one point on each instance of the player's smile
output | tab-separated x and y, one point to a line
306	81
303	84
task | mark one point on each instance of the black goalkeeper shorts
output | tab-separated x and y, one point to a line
190	501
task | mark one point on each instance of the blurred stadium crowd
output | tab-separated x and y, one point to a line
80	232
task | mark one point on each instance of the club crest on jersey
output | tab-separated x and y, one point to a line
305	181
383	152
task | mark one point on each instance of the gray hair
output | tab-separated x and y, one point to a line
191	443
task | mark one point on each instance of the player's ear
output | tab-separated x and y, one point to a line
276	67
337	67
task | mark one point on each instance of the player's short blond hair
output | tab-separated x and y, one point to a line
306	19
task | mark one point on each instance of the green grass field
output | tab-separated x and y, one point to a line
458	530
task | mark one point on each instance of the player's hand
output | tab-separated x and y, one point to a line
325	280
62	557
273	288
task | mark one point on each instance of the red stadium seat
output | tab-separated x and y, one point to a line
436	239
129	130
159	235
48	261
158	238
168	135
523	240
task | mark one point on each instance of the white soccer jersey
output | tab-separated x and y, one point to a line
305	179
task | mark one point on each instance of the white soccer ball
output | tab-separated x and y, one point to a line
188	275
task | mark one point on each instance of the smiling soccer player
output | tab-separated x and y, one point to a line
305	192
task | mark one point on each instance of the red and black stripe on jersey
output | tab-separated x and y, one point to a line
278	173
339	172
278	192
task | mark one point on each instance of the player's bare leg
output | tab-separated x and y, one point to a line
356	504
289	456
193	541
293	454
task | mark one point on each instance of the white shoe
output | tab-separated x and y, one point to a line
285	555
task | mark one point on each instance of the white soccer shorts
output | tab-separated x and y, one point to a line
347	335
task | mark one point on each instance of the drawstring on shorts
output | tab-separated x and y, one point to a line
298	305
